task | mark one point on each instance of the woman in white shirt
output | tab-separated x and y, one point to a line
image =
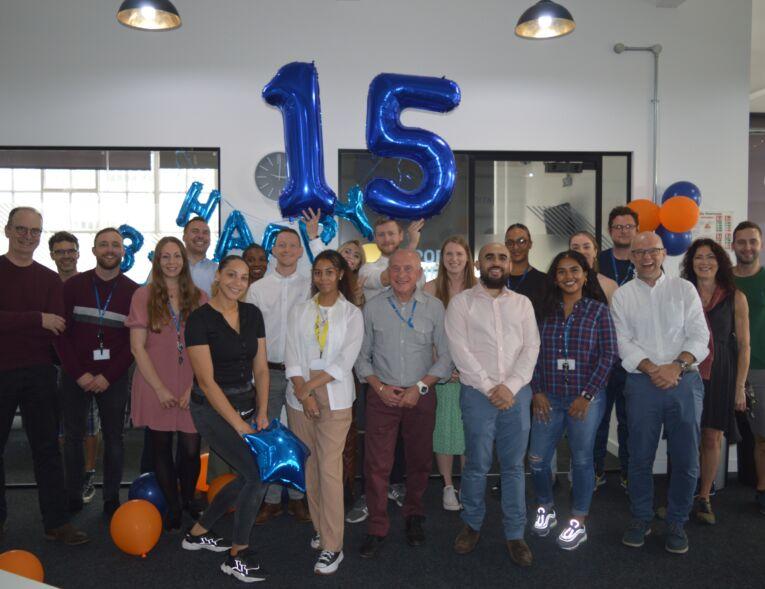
324	336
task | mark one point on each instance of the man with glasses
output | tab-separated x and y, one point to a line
523	278
662	335
31	315
616	262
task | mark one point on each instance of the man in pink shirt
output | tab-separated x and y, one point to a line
494	342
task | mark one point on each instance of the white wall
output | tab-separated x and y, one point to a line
71	75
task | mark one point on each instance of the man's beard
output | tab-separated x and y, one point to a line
490	282
105	265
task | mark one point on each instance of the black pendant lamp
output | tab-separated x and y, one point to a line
149	15
545	20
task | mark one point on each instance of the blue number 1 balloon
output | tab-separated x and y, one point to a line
389	94
294	90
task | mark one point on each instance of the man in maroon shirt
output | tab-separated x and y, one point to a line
31	309
95	353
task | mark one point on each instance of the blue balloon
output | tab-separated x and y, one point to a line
236	235
280	454
192	206
135	245
294	90
389	94
353	212
683	188
147	487
675	243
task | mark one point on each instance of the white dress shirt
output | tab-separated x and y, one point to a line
371	272
344	337
492	340
203	274
659	322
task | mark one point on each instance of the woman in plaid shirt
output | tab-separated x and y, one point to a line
575	358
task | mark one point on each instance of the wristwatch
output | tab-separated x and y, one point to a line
586	395
682	364
423	387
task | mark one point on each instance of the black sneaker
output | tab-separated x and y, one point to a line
207	541
244	566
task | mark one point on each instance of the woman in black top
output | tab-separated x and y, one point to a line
227	346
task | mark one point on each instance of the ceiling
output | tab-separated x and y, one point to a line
757	75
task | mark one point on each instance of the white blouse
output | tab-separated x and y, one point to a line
344	338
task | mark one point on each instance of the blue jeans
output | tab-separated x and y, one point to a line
484	425
679	410
614	396
581	437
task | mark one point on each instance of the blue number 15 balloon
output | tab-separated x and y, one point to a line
389	94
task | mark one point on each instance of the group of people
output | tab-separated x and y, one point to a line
504	363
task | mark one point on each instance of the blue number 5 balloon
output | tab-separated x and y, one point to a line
389	94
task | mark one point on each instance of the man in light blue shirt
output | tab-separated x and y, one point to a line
196	237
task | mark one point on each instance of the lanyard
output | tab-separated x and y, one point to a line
320	330
410	321
102	311
628	276
566	332
517	286
177	323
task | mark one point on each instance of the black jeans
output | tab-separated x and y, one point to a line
111	408
34	390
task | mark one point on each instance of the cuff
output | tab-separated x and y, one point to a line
335	372
515	384
630	361
292	371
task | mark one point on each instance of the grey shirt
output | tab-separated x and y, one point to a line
396	353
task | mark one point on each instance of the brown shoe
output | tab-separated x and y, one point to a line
466	540
520	553
267	512
299	508
67	534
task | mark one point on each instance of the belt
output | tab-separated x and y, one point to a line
277	366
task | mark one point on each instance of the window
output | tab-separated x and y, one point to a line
84	190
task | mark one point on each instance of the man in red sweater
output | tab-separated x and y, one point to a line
31	315
95	354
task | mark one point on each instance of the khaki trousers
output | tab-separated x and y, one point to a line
325	437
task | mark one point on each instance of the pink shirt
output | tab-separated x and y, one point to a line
492	340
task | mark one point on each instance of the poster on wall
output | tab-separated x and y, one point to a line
717	226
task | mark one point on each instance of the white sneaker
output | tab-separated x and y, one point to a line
316	541
450	500
572	536
545	521
328	562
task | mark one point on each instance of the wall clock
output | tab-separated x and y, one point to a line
271	174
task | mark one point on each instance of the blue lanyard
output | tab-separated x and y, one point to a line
177	323
102	312
410	321
517	286
566	332
628	276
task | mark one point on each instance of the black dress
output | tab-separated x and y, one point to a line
720	389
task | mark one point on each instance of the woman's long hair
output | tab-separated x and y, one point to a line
347	284
442	278
594	242
357	243
591	288
159	300
724	276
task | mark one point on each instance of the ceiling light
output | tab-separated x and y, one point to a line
149	15
545	20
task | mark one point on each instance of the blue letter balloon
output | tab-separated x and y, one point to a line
683	188
146	487
675	243
236	235
353	212
389	94
294	90
281	455
135	245
192	206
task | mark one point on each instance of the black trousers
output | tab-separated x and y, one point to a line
111	409
33	389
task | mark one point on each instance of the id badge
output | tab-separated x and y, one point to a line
101	354
566	364
318	364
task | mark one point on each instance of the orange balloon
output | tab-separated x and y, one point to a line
136	527
679	214
22	563
648	213
217	484
202	485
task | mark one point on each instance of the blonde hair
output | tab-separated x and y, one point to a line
357	243
594	241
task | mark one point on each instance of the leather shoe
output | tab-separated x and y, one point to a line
67	534
371	546
415	536
299	509
466	540
520	553
268	511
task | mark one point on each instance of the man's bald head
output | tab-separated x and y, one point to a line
647	254
404	269
494	264
646	239
405	257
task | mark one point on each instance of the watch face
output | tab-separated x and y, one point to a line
271	174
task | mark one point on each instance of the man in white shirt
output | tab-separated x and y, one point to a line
275	294
494	342
196	238
662	335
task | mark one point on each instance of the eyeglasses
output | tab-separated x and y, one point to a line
628	227
516	242
69	252
21	231
654	251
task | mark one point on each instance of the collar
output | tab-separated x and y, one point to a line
480	290
418	296
202	262
340	298
644	284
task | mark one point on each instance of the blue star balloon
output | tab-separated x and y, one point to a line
280	455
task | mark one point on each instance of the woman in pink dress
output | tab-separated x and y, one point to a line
162	381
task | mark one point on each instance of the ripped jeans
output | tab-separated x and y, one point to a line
581	439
